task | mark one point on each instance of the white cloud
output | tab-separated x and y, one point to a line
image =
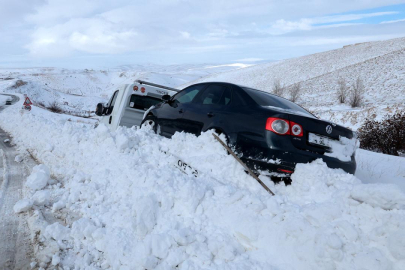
190	30
250	59
393	21
350	17
185	34
283	26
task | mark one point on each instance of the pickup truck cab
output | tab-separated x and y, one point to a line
129	103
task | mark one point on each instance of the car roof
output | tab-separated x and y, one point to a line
232	84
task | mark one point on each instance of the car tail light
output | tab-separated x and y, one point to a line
278	125
143	89
135	88
296	129
285	171
284	127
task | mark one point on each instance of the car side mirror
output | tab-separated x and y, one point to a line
99	109
166	98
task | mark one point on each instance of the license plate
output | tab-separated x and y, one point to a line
319	140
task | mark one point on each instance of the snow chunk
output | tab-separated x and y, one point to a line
18	158
22	206
58	205
145	211
396	245
41	197
83	228
387	197
55	259
343	149
57	231
161	244
6	140
39	177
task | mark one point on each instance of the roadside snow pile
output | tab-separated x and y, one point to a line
379	168
39	178
119	202
3	100
22	205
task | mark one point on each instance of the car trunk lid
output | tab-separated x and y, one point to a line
324	137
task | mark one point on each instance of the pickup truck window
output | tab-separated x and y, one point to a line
142	102
110	104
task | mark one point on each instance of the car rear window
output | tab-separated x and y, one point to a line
272	101
143	102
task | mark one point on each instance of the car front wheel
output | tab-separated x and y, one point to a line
151	122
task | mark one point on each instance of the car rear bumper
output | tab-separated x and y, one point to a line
282	161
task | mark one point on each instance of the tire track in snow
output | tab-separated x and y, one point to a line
15	247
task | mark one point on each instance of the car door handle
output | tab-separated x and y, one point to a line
181	111
210	114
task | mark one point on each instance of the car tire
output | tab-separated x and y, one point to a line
150	120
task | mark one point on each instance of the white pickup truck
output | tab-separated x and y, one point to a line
129	102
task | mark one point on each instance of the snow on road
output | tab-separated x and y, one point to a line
114	200
15	247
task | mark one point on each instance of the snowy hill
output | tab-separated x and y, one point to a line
78	91
379	64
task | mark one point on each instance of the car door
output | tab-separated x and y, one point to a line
108	116
171	113
207	109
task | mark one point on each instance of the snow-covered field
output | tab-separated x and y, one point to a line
80	90
114	200
117	200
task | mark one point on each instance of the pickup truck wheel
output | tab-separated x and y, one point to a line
150	121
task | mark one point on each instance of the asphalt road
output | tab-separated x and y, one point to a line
15	243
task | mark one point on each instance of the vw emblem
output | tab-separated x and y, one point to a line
329	129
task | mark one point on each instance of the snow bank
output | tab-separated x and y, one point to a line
38	178
124	205
3	99
22	205
376	168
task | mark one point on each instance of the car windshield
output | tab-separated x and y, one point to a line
277	103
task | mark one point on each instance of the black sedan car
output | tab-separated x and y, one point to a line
268	132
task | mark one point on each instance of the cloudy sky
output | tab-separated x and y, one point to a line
99	33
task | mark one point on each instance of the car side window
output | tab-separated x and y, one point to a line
188	94
215	95
226	97
110	104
